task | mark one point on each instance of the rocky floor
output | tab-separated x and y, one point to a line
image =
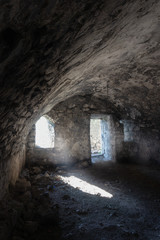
104	202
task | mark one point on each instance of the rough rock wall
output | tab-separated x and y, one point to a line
51	51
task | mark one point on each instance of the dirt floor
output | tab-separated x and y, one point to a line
104	202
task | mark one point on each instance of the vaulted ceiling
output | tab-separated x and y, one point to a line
51	50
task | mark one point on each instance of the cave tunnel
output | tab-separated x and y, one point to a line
67	63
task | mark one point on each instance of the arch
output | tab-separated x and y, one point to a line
45	134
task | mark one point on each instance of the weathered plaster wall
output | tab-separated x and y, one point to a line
72	135
141	143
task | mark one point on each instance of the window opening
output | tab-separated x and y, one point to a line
44	133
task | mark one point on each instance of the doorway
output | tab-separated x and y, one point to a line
100	138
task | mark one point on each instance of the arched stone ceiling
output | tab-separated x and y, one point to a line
51	50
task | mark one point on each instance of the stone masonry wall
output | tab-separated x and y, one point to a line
130	142
96	136
72	133
141	143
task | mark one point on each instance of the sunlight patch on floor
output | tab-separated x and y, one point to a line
85	187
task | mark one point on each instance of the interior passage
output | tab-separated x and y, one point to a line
96	137
79	119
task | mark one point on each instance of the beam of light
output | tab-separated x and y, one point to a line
85	187
43	134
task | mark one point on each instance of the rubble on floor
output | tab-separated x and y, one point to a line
42	205
28	211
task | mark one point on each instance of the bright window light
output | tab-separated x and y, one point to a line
85	187
44	133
